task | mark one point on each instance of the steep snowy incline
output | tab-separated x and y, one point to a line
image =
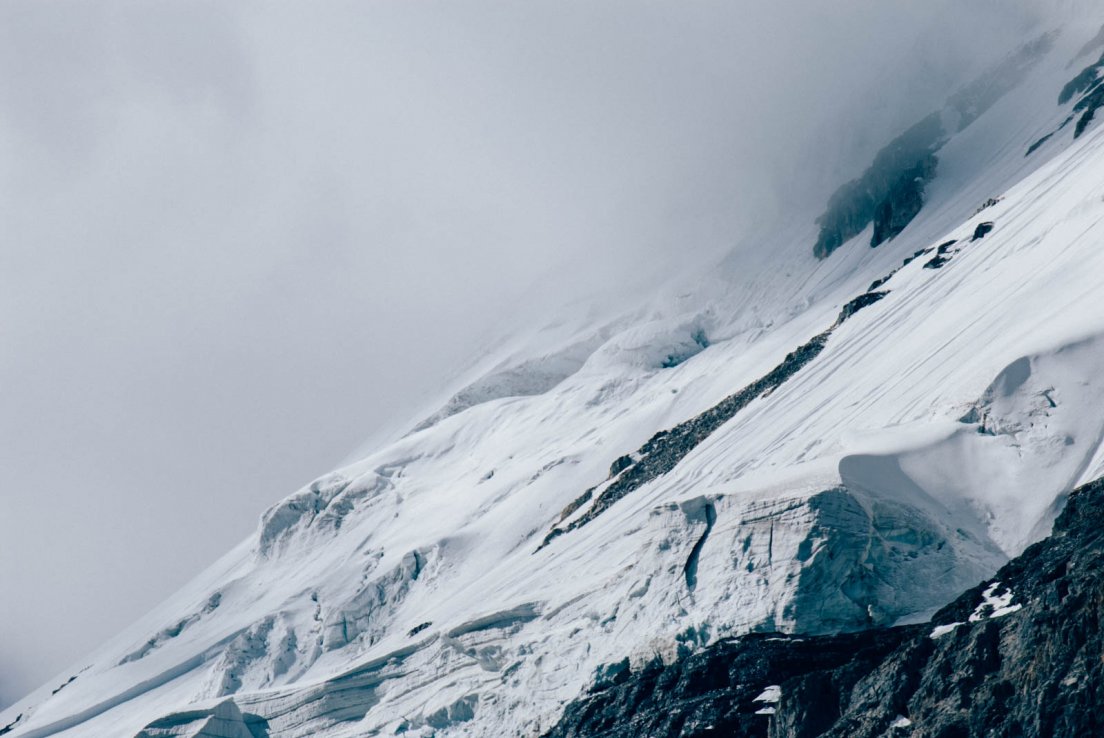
799	449
1017	655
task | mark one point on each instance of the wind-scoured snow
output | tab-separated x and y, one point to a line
941	630
932	436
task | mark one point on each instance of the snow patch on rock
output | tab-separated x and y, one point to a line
994	605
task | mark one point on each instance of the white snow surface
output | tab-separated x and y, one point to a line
994	605
773	693
941	630
900	722
934	437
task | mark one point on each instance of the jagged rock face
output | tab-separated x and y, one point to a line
889	194
713	693
1086	89
1016	656
1031	667
1087	106
1089	85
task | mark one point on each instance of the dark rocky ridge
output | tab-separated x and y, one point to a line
1088	105
1086	79
4	730
1089	85
890	193
1033	672
667	448
713	692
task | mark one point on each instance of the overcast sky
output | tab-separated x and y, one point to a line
236	239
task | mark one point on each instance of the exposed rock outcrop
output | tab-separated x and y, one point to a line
890	192
1017	655
667	448
1086	89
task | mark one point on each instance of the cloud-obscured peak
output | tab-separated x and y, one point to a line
236	238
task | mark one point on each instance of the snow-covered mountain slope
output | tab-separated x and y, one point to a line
783	443
1017	655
